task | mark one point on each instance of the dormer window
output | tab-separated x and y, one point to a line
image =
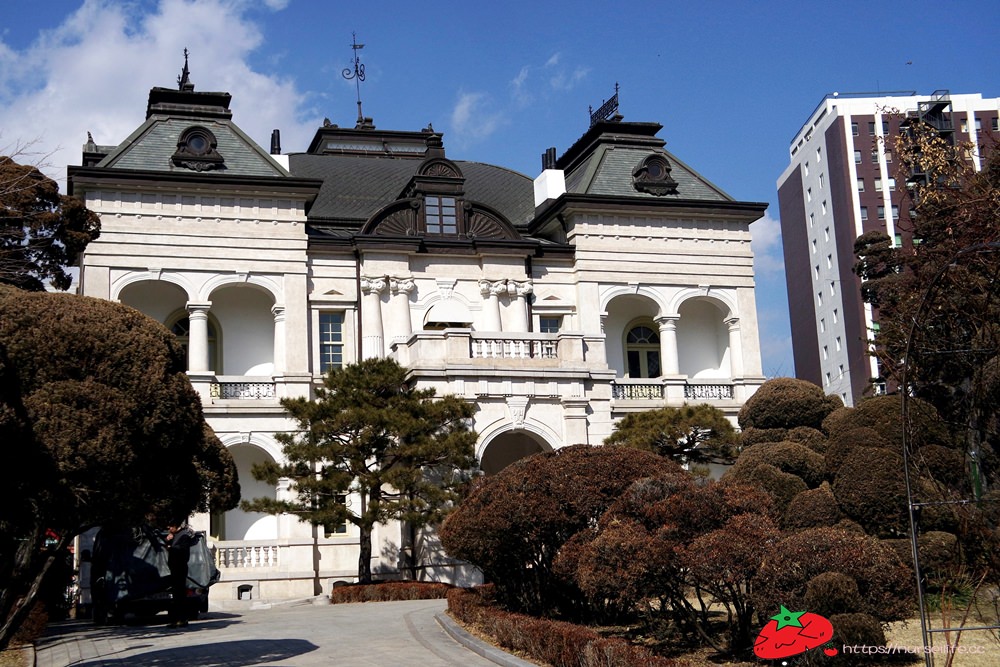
440	215
196	149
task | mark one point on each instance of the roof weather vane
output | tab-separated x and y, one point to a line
184	80
358	74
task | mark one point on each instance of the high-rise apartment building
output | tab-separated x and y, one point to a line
841	182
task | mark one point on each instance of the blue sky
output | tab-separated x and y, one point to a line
730	81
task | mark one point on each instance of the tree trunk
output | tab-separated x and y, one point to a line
17	600
369	517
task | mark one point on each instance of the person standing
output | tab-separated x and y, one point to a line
179	540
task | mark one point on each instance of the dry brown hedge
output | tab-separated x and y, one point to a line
388	591
553	642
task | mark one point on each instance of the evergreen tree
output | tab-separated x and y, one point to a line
369	432
41	231
689	434
98	414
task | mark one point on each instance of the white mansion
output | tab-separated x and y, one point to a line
618	280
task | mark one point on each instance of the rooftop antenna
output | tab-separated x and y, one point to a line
184	80
358	74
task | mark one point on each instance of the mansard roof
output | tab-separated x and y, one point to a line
608	161
191	132
356	187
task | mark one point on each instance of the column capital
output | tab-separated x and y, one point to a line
667	321
732	322
278	311
401	285
492	287
198	306
523	288
373	285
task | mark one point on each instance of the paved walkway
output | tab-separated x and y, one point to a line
377	634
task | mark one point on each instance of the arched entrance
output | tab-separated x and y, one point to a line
237	524
507	448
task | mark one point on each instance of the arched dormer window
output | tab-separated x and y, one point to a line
180	325
642	351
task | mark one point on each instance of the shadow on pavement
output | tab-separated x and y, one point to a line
222	654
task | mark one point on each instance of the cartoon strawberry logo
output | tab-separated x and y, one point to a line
791	633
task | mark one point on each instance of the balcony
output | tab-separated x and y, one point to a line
671	390
467	348
242	390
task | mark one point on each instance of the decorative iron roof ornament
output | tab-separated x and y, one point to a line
607	109
358	74
184	80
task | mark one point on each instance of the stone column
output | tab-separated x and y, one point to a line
198	337
491	291
519	303
735	347
400	289
279	339
670	364
371	318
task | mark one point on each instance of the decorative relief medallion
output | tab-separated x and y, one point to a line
652	175
197	150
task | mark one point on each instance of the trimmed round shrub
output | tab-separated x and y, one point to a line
812	438
870	489
857	630
938	552
512	525
754	436
850	527
830	593
790	457
943	465
781	486
842	443
787	403
936	517
884	583
883	414
812	509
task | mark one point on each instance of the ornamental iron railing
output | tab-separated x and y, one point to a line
242	390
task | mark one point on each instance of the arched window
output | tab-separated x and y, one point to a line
642	352
180	326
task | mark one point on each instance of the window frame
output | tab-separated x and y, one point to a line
325	346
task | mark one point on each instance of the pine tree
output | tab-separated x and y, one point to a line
369	433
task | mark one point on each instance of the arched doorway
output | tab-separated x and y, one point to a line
237	524
507	448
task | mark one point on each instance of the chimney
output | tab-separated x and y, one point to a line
276	142
551	183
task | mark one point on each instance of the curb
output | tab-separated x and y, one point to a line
488	651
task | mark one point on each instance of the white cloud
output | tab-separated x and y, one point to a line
765	235
519	88
93	73
553	60
474	118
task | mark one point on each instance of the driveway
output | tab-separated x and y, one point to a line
379	634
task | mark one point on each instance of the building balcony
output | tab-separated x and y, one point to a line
453	348
672	390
